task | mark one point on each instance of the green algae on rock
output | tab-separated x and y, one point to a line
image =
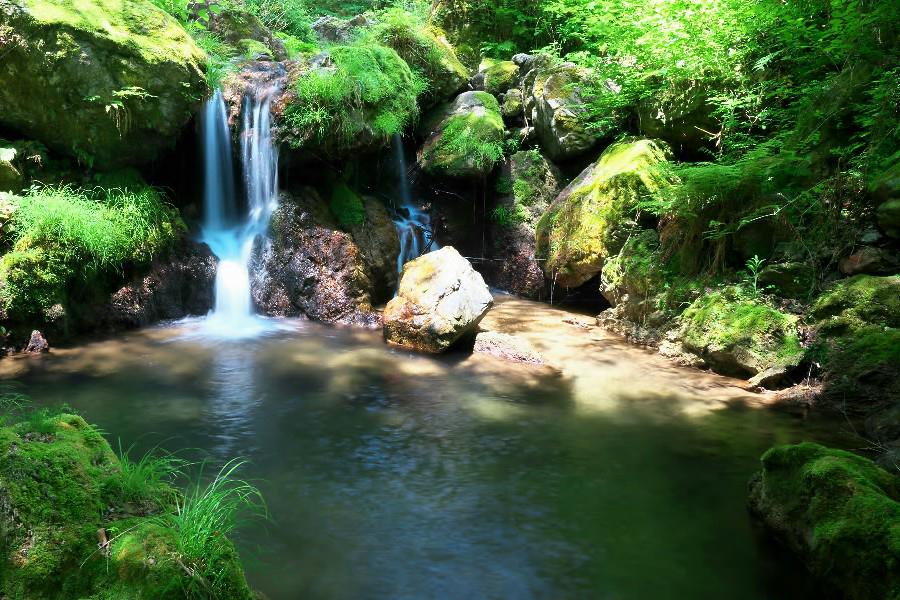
739	335
589	220
497	76
839	511
465	137
58	487
108	82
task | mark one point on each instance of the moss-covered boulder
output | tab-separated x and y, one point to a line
377	238
496	77
349	99
109	82
528	184
840	512
682	117
789	279
856	339
60	483
463	138
590	219
888	214
740	335
441	300
428	53
557	111
240	29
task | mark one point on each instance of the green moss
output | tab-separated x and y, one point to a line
65	237
57	488
469	142
499	75
369	95
740	334
637	269
250	49
347	206
840	511
585	225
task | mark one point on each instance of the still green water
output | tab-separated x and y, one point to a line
392	475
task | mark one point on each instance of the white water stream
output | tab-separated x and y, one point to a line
232	238
413	223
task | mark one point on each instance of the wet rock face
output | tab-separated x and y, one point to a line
178	286
379	243
441	300
838	511
556	109
530	182
107	86
311	268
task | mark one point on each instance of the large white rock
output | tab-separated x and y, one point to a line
441	299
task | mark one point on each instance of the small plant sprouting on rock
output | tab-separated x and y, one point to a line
754	267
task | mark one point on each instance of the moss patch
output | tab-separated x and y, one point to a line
738	335
499	75
347	206
840	511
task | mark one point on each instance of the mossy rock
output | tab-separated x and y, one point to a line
856	339
590	219
108	82
349	99
790	279
497	76
347	206
888	215
740	335
58	482
840	512
240	28
635	275
464	138
559	111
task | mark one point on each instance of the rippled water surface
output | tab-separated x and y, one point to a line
391	475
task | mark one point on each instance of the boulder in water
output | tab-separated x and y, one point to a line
109	83
441	300
838	511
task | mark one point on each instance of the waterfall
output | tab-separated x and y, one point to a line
413	223
231	238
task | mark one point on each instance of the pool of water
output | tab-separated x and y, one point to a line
393	475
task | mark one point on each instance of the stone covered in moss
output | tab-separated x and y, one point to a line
856	327
349	99
789	279
557	111
240	29
109	82
634	276
58	486
464	137
496	76
739	335
589	220
840	512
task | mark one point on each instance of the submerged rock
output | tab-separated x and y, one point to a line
311	267
838	511
741	336
61	491
507	347
589	221
441	300
108	83
464	137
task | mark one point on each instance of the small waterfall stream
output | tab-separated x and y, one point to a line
412	222
231	238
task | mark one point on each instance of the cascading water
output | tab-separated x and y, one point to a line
412	222
231	239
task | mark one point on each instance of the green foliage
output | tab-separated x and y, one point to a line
347	206
219	55
292	17
754	266
205	516
369	92
66	236
472	137
147	481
